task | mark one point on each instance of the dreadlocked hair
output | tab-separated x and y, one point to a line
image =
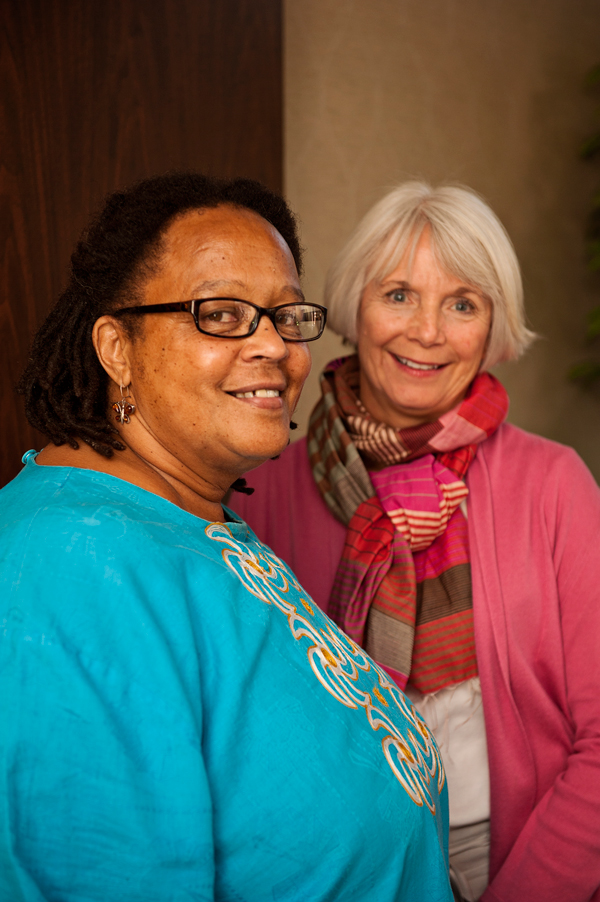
64	385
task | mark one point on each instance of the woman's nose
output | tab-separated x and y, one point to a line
425	326
266	341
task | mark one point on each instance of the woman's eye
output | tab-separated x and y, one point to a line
287	318
398	296
220	316
464	306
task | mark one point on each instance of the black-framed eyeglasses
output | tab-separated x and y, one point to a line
232	318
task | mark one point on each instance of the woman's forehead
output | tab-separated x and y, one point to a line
420	259
424	247
218	249
197	230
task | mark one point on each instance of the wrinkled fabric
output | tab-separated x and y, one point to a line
179	720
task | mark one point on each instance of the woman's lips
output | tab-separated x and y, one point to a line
259	393
418	368
264	398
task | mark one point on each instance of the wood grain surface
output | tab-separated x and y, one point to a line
96	95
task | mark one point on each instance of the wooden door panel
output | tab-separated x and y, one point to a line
96	95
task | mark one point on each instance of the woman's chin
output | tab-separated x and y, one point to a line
269	445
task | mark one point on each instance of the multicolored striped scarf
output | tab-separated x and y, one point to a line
403	586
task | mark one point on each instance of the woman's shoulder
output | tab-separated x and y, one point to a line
89	556
83	527
49	498
516	449
516	463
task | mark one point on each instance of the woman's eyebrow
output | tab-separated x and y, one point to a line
217	285
465	289
400	283
406	286
229	286
297	292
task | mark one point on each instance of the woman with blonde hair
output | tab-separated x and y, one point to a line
458	550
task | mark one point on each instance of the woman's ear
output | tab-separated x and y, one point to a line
113	346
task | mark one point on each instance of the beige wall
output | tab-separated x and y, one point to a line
485	92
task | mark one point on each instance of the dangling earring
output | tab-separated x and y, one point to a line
123	408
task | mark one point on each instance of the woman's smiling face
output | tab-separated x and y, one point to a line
422	334
213	403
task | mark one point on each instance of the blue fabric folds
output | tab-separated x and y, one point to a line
179	721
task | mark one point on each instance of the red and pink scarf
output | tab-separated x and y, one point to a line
403	586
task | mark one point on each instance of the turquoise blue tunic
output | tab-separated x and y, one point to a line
179	721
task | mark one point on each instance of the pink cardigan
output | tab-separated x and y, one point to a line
534	533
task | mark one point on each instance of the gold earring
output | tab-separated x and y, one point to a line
123	408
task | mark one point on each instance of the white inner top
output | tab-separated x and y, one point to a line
455	717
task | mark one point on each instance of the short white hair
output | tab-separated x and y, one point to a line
468	241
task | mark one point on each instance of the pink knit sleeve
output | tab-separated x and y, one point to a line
545	720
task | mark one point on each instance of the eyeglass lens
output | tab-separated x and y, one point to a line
295	322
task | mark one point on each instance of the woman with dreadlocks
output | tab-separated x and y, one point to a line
178	719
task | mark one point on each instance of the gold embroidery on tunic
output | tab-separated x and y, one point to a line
337	663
